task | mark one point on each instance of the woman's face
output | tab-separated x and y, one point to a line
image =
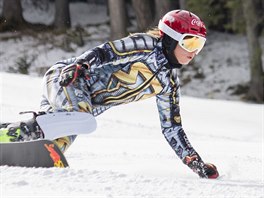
183	56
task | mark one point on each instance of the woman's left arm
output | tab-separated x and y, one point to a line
169	111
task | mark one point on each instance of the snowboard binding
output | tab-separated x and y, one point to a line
21	131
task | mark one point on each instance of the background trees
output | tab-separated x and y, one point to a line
144	13
12	15
221	15
253	31
62	14
117	18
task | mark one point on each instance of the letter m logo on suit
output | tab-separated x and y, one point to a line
136	84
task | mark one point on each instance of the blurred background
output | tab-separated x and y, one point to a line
35	34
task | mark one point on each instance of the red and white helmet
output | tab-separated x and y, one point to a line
181	24
182	21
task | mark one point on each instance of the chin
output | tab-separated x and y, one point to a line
185	62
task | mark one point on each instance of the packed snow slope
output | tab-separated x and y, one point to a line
129	157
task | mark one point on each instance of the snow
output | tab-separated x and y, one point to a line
128	156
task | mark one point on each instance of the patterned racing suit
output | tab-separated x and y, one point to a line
126	70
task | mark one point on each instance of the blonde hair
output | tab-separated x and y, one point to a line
154	32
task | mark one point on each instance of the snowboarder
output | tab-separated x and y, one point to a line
133	68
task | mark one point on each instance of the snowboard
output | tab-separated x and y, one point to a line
36	153
61	124
44	153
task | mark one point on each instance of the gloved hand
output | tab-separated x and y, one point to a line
70	73
204	170
210	171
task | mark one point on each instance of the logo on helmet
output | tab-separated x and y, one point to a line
196	22
171	19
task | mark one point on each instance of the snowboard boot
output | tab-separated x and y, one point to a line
21	131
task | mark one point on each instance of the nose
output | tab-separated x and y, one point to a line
192	54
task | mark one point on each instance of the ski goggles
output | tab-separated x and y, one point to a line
189	42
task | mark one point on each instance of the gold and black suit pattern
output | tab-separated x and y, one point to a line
123	71
126	86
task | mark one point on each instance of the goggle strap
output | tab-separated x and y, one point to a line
169	31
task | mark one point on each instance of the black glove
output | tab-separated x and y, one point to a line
70	73
204	170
